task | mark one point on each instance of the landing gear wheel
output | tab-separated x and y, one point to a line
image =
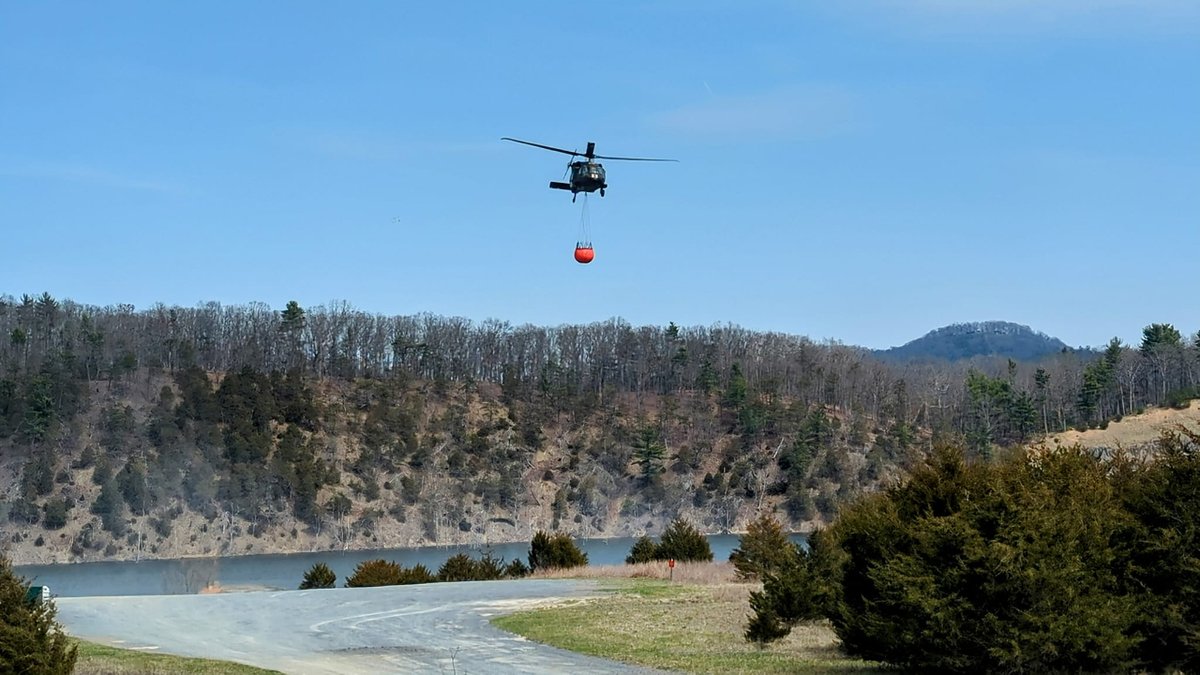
601	192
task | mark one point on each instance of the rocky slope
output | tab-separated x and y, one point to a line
144	471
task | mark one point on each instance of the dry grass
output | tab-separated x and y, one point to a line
690	627
1133	430
703	573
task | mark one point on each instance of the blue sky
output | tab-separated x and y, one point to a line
858	171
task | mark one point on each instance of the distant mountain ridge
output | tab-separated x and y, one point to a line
968	340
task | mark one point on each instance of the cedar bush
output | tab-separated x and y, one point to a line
1161	561
318	576
417	574
516	569
1017	565
683	542
31	640
644	550
793	591
764	548
554	551
489	567
460	567
376	573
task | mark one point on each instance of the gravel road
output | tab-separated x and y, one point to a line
429	628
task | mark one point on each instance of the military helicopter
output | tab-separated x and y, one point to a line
587	175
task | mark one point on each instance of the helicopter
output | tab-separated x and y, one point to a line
587	175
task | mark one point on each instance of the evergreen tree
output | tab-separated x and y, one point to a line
644	550
516	569
417	574
1161	553
649	454
792	592
31	640
39	409
458	567
1041	380
554	551
683	542
111	508
764	548
737	389
1158	335
56	514
375	573
974	567
318	576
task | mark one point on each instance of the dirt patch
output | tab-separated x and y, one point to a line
1132	431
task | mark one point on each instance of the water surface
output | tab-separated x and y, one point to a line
285	570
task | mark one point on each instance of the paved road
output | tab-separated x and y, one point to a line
430	628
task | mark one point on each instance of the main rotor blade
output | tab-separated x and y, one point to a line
544	147
636	159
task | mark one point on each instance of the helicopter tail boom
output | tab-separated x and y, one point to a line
560	186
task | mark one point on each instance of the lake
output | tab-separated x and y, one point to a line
284	571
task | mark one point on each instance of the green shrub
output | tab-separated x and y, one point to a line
489	567
516	569
460	567
793	591
375	573
554	551
56	514
31	640
1005	567
680	541
1162	552
1050	560
764	548
644	550
417	574
318	576
683	542
24	511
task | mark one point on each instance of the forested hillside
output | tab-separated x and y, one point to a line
222	430
968	340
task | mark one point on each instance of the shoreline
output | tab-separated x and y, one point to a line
348	549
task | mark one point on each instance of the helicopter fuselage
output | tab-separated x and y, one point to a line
585	177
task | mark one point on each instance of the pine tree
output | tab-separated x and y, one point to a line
649	454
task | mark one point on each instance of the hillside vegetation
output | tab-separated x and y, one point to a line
227	430
968	340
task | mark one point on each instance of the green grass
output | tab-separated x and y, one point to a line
97	659
689	628
646	588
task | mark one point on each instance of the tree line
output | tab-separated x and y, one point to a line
47	342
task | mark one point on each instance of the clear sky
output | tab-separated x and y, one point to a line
858	171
